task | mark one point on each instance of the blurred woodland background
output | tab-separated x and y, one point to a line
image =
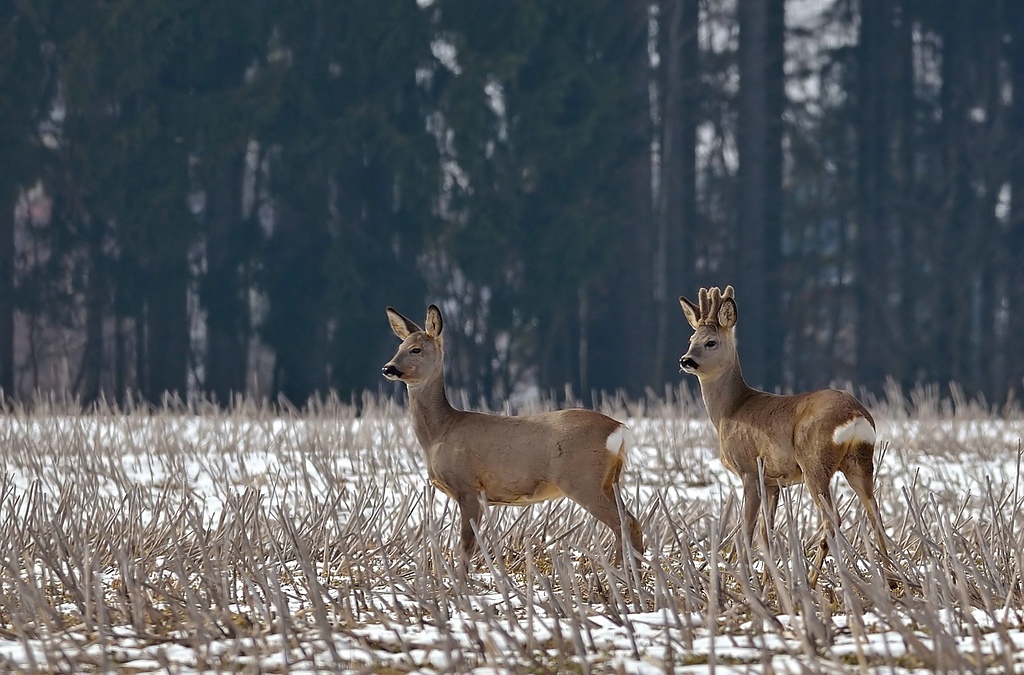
210	197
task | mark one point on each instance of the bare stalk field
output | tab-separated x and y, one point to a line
257	541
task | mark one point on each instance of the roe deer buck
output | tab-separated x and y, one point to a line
799	438
511	460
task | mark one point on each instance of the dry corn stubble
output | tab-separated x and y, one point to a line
252	541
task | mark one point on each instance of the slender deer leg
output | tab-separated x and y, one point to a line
596	494
608	513
602	505
859	472
751	505
771	505
469	512
871	506
822	495
636	537
771	493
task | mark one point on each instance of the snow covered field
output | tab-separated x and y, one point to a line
249	542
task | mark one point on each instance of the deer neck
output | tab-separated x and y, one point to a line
432	414
724	393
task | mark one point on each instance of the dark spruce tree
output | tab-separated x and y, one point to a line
353	174
24	91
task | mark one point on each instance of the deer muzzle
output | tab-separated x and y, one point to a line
687	364
391	372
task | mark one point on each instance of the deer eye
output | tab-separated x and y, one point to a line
710	344
415	350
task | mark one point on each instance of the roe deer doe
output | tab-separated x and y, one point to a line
511	460
799	438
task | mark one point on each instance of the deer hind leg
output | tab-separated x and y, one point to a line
859	469
602	506
636	537
818	486
598	498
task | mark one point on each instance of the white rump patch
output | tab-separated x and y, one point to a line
857	429
619	441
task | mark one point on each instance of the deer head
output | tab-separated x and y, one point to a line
421	355
713	343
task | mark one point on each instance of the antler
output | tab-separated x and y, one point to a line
702	301
710	301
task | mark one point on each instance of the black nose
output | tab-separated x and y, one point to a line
391	370
686	362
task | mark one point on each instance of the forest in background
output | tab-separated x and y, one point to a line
203	199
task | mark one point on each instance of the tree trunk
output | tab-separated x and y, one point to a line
1014	238
167	331
907	248
622	329
677	207
296	326
120	361
871	271
637	294
954	300
8	197
992	169
759	137
89	380
225	288
776	306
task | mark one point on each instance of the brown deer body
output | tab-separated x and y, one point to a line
520	460
799	438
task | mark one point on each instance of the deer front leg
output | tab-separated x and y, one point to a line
771	497
469	512
771	492
751	505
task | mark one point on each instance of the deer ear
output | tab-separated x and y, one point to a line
402	326
727	313
690	311
434	322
